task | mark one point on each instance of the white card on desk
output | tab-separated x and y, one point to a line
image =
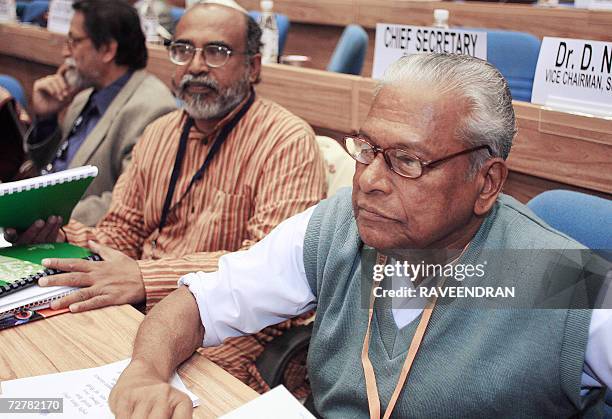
85	392
277	403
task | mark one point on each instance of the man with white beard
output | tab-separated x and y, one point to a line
213	178
106	99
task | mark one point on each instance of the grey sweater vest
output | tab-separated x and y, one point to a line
472	363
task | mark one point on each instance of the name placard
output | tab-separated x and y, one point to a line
7	11
593	4
574	75
60	15
395	41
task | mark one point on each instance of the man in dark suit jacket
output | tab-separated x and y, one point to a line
105	96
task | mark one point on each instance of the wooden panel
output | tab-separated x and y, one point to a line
31	43
524	187
85	340
315	41
562	156
325	12
323	99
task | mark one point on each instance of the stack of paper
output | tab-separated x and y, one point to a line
85	392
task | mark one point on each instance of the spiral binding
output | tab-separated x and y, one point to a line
44	181
37	303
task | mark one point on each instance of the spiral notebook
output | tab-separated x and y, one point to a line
28	200
20	269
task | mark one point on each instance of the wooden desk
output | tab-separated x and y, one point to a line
552	149
85	340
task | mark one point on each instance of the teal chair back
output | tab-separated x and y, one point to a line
585	218
350	52
515	54
13	86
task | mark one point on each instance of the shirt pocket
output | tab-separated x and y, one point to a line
224	227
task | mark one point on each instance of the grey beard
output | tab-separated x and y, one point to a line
200	107
74	78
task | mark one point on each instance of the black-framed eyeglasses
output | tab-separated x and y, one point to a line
399	161
181	53
72	41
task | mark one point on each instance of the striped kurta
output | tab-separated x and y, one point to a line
268	169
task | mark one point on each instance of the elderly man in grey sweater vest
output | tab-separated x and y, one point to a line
431	164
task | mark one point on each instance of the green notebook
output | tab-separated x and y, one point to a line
20	266
25	201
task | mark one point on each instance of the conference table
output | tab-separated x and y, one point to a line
84	340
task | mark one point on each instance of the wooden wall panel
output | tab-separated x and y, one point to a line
324	12
311	94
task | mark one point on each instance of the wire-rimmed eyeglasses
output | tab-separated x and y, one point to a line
399	161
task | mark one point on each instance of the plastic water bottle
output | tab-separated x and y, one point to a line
269	33
8	11
440	18
149	21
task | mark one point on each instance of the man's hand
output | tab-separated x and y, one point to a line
39	232
114	281
52	93
142	393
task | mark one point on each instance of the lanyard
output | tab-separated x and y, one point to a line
180	155
368	369
415	344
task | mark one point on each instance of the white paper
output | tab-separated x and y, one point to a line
85	392
574	75
277	403
394	41
32	297
60	15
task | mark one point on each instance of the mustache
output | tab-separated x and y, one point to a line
190	80
70	62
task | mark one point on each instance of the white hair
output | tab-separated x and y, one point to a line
489	118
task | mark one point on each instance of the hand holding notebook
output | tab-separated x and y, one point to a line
21	268
113	281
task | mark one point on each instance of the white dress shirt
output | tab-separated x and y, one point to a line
267	284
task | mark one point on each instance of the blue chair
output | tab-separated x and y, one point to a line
20	8
350	51
585	218
282	23
176	13
515	54
34	11
14	88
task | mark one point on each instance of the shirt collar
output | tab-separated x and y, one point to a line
195	134
102	98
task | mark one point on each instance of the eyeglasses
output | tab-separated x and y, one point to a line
181	53
399	161
71	42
